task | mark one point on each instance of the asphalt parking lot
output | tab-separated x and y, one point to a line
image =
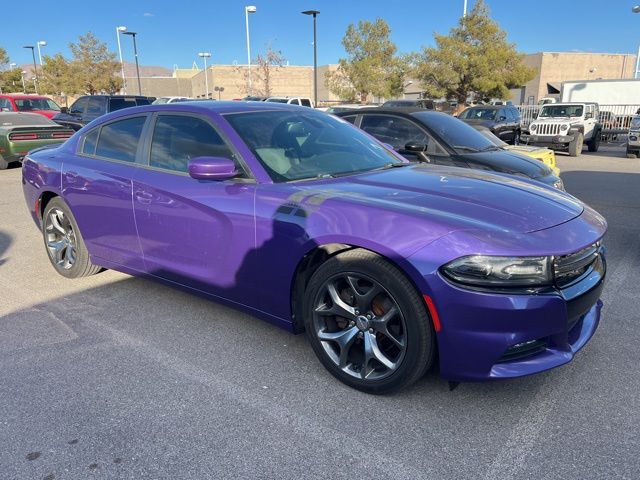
118	377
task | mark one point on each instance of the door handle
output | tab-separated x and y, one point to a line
143	197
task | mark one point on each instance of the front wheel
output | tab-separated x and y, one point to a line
575	147
594	143
631	153
63	241
367	323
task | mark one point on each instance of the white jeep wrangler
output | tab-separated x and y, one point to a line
566	127
633	140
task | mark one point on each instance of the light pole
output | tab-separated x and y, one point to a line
247	11
135	53
219	90
464	9
24	87
120	30
41	43
204	56
636	74
315	55
35	67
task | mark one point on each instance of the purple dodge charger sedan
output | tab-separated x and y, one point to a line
301	219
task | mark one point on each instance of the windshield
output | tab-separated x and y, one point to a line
458	135
478	114
566	111
277	100
161	100
635	122
295	145
31	104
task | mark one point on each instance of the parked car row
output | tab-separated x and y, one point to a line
304	220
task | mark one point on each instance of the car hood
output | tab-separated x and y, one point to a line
453	198
510	162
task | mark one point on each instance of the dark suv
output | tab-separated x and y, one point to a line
502	120
90	107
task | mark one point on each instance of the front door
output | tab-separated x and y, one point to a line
197	233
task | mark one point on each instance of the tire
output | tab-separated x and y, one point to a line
366	284
63	241
594	143
575	147
631	153
3	163
516	138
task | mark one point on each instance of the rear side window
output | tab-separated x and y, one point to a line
143	101
120	103
119	140
294	101
350	118
179	138
305	102
89	142
5	105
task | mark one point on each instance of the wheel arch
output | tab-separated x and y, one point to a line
318	254
43	200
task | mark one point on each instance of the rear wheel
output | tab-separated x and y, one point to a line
631	153
367	324
63	241
594	143
575	147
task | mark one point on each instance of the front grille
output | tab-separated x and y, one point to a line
523	350
548	129
568	268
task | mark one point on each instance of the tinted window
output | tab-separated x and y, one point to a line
350	118
305	102
478	114
395	131
5	104
305	144
89	142
119	140
95	106
144	101
30	104
79	105
294	102
457	134
179	138
120	103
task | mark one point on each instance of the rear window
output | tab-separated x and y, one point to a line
120	103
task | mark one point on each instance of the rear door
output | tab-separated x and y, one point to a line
193	232
97	184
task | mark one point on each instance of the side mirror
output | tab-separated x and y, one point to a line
212	168
64	110
415	147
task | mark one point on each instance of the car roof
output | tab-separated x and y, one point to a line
489	107
401	111
22	95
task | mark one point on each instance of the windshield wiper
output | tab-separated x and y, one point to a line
490	148
464	147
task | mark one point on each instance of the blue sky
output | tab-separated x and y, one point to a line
172	32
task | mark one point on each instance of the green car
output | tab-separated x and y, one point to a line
21	132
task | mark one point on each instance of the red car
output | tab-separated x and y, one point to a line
19	102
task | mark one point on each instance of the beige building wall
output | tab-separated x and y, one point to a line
557	67
160	86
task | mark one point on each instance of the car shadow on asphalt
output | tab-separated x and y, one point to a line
5	243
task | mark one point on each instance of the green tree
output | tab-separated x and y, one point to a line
4	58
371	66
57	75
94	68
475	59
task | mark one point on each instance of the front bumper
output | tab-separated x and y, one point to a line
548	141
487	335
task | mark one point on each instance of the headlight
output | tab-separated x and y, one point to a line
489	271
533	127
564	127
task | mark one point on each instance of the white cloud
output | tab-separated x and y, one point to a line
148	14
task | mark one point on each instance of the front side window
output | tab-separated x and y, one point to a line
119	140
395	131
30	104
179	138
95	106
297	145
79	106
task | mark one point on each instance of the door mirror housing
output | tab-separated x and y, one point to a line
212	168
64	110
415	147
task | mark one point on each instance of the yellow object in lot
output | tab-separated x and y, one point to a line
545	155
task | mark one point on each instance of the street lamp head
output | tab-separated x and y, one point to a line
311	12
42	43
29	46
13	65
133	34
636	9
121	29
204	54
251	9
